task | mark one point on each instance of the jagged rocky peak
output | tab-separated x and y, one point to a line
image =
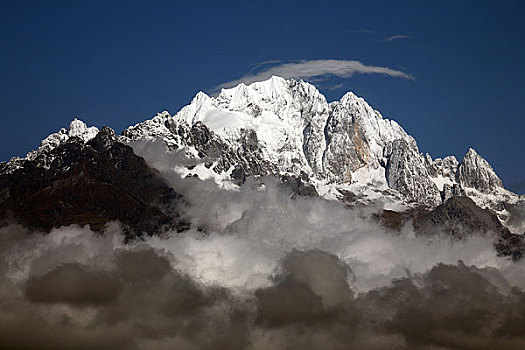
407	173
343	150
89	183
76	129
357	136
104	139
80	129
445	168
344	145
473	172
298	131
296	127
476	172
288	117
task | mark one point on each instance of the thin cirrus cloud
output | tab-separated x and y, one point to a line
397	37
315	69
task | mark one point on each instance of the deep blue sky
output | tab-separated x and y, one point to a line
117	63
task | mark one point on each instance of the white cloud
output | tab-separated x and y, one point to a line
397	37
314	69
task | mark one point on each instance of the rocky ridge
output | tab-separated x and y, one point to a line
343	150
87	178
288	127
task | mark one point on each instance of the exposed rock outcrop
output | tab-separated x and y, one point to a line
460	217
476	172
286	127
343	150
89	183
406	172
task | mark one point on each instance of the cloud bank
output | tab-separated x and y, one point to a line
316	69
258	270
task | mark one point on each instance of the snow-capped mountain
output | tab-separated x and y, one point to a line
288	127
77	128
343	150
296	130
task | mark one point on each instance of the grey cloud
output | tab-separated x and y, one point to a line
74	284
326	277
309	304
450	307
124	297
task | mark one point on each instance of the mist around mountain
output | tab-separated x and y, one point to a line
264	218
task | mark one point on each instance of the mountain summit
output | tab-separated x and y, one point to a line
342	150
287	127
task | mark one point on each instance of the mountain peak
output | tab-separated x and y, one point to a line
349	96
471	153
274	82
274	87
475	172
76	127
343	149
200	96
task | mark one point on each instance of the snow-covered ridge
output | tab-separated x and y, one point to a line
297	128
343	145
288	128
77	128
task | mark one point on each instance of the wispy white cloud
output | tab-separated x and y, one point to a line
397	37
264	63
309	69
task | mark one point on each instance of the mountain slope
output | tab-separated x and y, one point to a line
342	147
343	150
91	180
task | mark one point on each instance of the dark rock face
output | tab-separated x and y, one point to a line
395	220
299	185
461	217
246	160
451	191
238	175
347	197
90	184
